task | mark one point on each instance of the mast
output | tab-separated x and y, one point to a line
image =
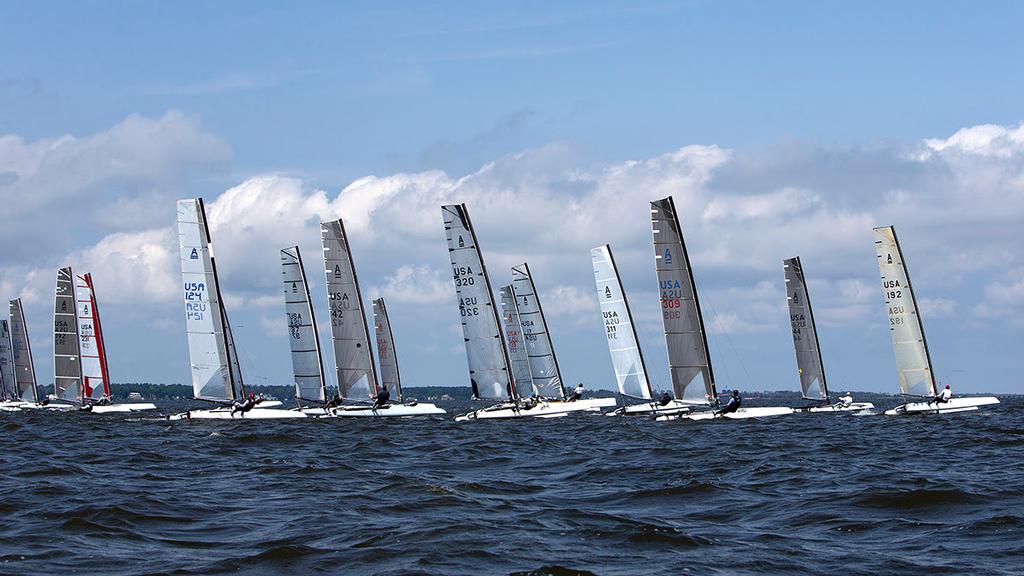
307	358
805	332
216	375
389	374
67	360
489	367
24	367
350	332
627	357
547	378
685	333
913	360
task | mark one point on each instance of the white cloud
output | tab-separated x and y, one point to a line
415	285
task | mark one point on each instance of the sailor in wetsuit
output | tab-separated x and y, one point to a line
666	398
944	396
845	401
732	406
382	397
576	394
334	402
245	405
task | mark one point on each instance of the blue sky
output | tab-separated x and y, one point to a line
781	128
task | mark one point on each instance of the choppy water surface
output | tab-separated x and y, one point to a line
800	494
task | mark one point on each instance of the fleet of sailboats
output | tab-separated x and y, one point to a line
510	355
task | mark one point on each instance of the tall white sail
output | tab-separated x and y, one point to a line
8	385
913	363
547	378
67	363
688	359
627	358
388	359
24	367
307	360
489	372
518	358
353	358
805	334
95	378
214	374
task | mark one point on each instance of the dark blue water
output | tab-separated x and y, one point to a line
800	494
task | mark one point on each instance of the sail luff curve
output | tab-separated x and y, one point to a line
547	378
685	333
390	377
67	362
913	361
303	337
350	334
486	353
21	347
620	329
805	333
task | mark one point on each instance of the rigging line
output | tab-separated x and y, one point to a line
714	338
728	339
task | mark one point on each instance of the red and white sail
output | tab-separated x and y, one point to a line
95	378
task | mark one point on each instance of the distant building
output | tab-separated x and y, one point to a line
134	396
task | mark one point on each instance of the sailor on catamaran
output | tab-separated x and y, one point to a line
382	397
845	401
732	406
665	399
944	396
576	394
334	402
245	405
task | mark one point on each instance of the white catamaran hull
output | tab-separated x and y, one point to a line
117	408
855	407
550	409
51	406
225	414
651	408
954	405
389	411
741	414
11	405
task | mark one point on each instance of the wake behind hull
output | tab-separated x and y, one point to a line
741	414
118	408
954	405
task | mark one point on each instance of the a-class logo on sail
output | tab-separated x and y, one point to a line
668	256
194	255
607	292
337	271
462	243
889	259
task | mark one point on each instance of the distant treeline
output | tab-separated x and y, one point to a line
151	391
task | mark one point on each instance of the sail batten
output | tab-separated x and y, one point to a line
216	374
913	361
67	364
486	353
805	333
21	348
304	340
350	334
620	329
547	378
685	335
386	355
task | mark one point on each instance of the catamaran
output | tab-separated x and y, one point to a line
80	362
693	379
490	371
25	386
358	384
808	350
623	344
9	400
913	361
216	372
526	327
